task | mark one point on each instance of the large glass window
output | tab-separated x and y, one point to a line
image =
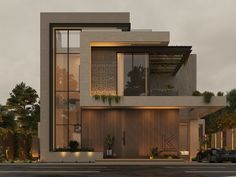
66	87
132	74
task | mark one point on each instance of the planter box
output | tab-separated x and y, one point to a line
71	156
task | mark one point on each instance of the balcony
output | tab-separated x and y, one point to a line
164	92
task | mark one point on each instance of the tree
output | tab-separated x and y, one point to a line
24	103
224	118
231	99
7	118
136	85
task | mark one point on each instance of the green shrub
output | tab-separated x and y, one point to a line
155	152
82	149
109	141
207	96
86	149
107	98
73	145
196	93
220	93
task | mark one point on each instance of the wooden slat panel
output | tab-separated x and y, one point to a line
144	129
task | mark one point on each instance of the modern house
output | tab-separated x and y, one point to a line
100	78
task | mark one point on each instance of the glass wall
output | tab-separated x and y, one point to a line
132	73
66	87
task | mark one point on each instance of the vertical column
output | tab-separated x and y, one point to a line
193	138
120	74
221	139
215	138
232	139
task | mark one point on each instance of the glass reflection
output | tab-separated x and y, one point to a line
62	136
74	41
61	72
61	108
74	108
74	70
135	74
61	41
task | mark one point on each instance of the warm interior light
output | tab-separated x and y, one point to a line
35	154
77	154
63	154
90	154
107	44
184	152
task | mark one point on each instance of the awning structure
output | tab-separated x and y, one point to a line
168	59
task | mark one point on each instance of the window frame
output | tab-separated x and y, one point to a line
51	98
147	74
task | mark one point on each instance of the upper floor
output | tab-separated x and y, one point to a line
97	54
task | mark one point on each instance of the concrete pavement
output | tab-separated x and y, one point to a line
96	169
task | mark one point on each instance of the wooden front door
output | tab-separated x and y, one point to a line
135	131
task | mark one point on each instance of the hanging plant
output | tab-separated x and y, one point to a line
107	98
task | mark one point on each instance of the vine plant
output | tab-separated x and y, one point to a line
107	98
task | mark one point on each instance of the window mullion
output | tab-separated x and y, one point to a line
68	77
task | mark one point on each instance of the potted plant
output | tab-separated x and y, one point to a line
73	145
154	153
109	142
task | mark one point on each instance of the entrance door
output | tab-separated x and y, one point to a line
141	131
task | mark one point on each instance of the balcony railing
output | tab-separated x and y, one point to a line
164	92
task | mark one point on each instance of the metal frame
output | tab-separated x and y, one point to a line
52	54
146	71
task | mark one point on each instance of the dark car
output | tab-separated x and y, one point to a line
216	155
232	156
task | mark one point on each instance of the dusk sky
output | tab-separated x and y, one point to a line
207	25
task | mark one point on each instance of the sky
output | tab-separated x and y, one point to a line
207	25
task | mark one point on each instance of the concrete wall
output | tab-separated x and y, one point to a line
45	20
71	157
194	138
184	81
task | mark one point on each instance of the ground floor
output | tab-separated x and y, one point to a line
136	132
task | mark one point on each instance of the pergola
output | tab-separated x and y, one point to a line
168	59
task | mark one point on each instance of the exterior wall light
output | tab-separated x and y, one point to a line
77	154
90	154
63	154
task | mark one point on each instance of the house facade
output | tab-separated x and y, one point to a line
100	78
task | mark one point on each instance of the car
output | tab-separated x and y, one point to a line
216	155
232	156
